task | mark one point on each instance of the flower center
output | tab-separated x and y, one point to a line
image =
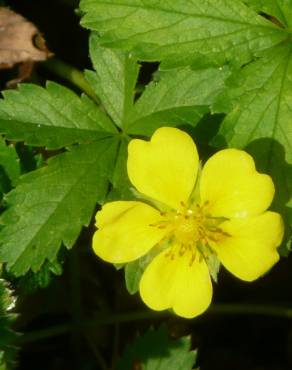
186	229
191	230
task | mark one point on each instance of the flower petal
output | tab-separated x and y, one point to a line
233	187
177	283
251	249
165	168
125	232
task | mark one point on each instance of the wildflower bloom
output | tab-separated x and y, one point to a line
219	211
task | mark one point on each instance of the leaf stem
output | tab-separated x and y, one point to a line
228	309
71	74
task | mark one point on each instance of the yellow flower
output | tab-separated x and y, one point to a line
195	214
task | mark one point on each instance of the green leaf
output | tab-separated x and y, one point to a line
177	31
51	204
31	158
281	9
114	79
134	270
133	274
8	336
53	117
33	281
180	97
260	118
9	166
214	266
155	351
121	186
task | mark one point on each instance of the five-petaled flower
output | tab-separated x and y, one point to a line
195	214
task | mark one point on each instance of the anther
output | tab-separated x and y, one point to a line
182	250
192	259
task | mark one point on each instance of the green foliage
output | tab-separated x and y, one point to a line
156	351
133	274
53	117
281	9
259	117
179	97
9	166
33	281
114	80
121	186
51	204
224	74
201	35
176	32
7	335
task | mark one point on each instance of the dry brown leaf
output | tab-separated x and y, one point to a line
20	40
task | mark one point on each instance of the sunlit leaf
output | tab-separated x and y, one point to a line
177	31
53	117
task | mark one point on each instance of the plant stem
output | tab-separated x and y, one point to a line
216	309
71	74
52	331
95	321
99	358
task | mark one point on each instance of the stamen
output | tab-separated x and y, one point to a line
160	224
193	258
190	231
182	250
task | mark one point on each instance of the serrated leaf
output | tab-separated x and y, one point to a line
8	336
177	31
53	117
51	204
260	118
156	351
114	79
180	97
33	281
9	166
